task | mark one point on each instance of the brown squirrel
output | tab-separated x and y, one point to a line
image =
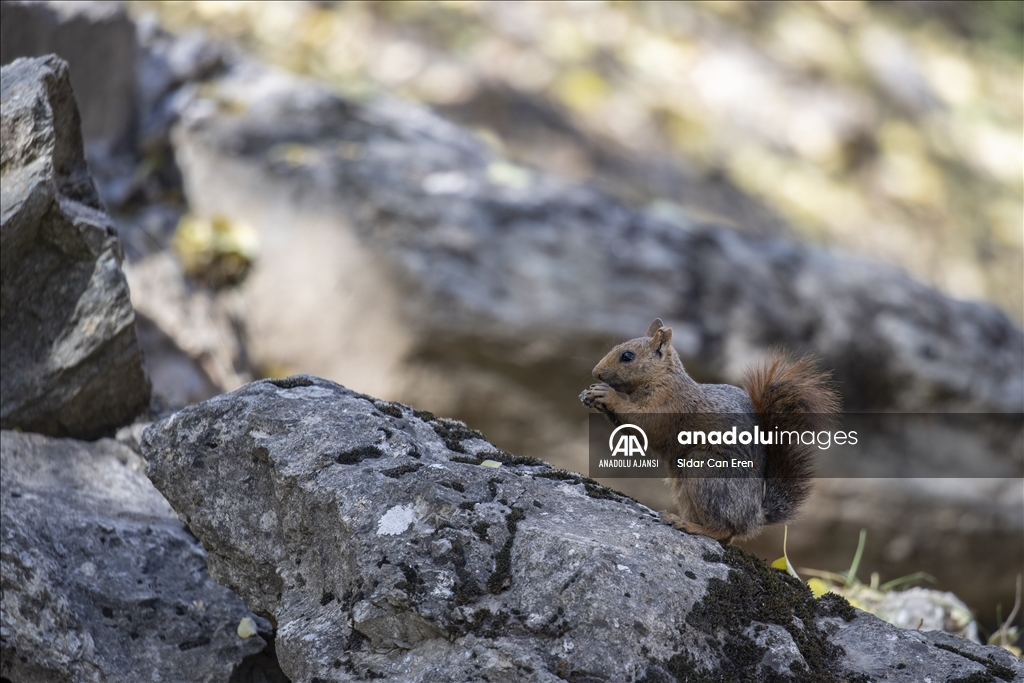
643	382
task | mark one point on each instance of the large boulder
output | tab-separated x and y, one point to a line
70	364
396	217
101	581
390	544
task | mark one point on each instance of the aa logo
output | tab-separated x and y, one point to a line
627	444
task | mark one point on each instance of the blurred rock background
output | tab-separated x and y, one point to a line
755	173
891	129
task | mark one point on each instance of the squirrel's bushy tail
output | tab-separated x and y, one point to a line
790	394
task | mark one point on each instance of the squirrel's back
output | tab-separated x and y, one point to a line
727	398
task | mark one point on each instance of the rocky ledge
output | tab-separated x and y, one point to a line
386	543
101	581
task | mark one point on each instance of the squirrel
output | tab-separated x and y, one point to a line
643	382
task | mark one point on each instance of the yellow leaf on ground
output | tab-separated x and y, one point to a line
817	586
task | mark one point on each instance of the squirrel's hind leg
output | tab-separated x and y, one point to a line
723	536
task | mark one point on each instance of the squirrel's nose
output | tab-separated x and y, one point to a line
598	375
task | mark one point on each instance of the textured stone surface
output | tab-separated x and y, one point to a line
877	650
384	548
101	581
70	363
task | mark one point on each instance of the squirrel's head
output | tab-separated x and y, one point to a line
637	362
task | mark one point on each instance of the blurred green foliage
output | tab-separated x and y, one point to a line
892	129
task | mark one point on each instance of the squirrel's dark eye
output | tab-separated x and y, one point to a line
626	356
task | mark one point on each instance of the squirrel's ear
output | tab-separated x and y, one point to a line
661	338
655	326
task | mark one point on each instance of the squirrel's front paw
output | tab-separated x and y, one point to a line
672	519
595	396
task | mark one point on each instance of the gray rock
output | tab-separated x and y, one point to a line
384	548
884	653
781	654
101	581
70	363
97	39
